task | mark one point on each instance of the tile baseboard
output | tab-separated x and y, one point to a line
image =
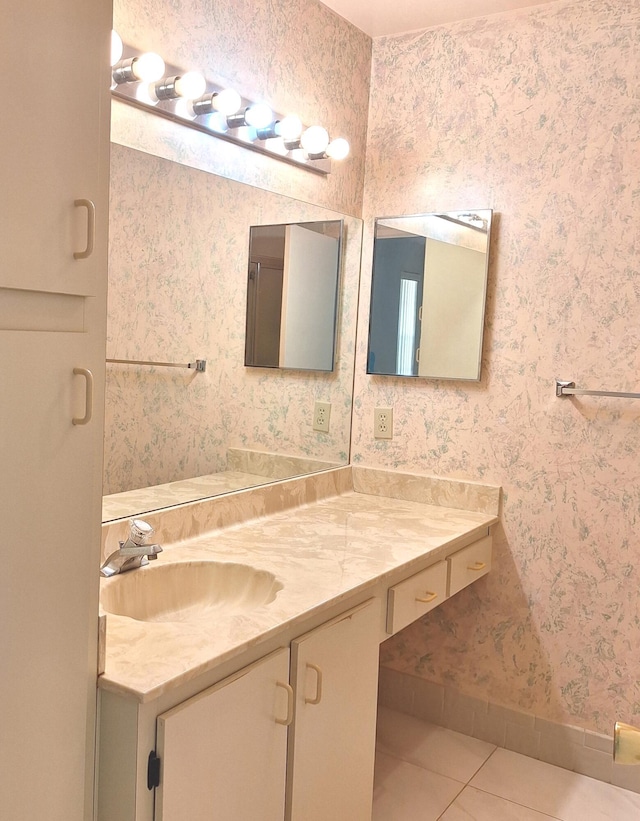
575	749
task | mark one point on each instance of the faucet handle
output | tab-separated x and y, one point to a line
141	531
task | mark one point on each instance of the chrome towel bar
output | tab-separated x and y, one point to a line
198	365
565	388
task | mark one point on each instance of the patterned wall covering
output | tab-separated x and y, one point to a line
535	114
179	242
297	55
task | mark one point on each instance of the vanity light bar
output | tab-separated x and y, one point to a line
145	81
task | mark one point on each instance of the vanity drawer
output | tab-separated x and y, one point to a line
414	597
469	564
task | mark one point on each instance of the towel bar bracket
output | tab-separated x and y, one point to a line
567	388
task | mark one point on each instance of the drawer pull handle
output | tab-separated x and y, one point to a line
477	566
88	411
286	721
428	598
318	673
91	228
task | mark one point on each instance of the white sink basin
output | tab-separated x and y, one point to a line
187	591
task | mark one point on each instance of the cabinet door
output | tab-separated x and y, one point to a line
332	746
223	752
55	132
50	494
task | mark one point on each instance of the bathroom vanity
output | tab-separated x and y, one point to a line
263	704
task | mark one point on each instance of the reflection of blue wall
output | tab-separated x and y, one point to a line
392	257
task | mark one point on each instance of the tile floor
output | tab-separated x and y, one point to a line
428	773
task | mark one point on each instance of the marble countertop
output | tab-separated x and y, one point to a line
321	552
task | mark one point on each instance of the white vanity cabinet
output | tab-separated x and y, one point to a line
332	740
283	727
223	752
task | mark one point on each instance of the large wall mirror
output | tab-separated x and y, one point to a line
178	258
428	295
292	295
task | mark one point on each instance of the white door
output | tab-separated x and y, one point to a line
54	57
332	746
309	299
223	752
452	311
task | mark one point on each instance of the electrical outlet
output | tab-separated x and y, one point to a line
321	416
383	423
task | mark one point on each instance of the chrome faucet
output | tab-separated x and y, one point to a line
135	552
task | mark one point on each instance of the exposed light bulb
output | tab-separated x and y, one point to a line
145	94
116	47
338	149
298	155
289	128
148	67
227	101
258	115
190	85
276	146
246	133
314	140
217	122
184	109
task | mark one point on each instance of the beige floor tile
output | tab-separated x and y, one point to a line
554	791
404	792
442	751
474	805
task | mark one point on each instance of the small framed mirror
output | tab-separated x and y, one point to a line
292	295
428	295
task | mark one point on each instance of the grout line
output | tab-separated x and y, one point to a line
517	803
420	766
491	754
452	802
483	763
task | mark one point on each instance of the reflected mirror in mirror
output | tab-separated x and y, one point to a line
178	239
292	294
428	295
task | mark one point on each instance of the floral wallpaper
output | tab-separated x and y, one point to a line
535	114
296	55
178	256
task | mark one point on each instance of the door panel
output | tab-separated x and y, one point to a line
332	747
223	752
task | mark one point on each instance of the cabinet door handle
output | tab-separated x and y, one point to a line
286	721
318	673
88	408
429	597
477	566
91	228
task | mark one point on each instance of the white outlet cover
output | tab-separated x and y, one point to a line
321	416
383	423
